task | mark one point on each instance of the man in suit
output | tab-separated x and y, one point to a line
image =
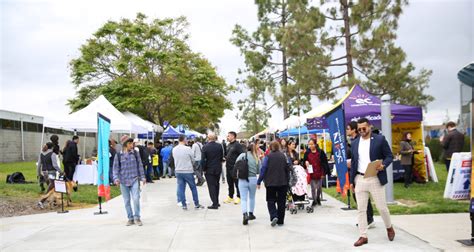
365	149
211	162
452	142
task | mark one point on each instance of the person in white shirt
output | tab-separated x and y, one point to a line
197	153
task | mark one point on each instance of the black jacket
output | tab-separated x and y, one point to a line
234	149
453	142
71	155
322	157
275	170
144	155
211	160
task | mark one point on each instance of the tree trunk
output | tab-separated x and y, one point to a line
284	81
347	36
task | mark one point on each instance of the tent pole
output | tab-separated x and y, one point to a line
22	140
42	136
84	146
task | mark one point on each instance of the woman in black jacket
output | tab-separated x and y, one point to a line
275	173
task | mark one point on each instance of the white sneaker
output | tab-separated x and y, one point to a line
371	225
180	204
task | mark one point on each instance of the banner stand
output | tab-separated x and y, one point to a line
60	187
348	202
100	208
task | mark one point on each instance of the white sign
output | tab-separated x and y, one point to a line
458	184
60	186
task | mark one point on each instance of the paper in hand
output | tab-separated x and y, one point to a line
372	168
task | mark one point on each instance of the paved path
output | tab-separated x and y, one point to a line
167	227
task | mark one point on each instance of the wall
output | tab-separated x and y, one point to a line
10	144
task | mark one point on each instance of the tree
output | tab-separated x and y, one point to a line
266	55
253	108
366	30
149	69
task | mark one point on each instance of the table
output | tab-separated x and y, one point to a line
86	174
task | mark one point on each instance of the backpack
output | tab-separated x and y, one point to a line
16	178
241	169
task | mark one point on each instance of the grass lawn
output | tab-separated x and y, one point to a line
86	194
419	198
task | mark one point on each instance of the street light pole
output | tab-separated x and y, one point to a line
387	132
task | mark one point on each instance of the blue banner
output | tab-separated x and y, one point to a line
337	131
103	161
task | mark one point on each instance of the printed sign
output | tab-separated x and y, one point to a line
458	184
60	186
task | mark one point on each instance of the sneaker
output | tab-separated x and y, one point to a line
228	200
251	216
274	222
197	207
185	208
179	204
138	222
40	205
237	201
130	222
371	225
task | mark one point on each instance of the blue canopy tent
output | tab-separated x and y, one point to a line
171	133
299	131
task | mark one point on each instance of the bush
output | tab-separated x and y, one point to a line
436	149
467	144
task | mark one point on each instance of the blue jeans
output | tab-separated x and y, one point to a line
183	179
166	169
148	172
134	192
247	191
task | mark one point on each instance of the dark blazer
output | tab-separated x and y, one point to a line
453	142
212	155
71	155
379	149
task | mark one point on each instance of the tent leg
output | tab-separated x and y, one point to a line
42	136
84	146
22	140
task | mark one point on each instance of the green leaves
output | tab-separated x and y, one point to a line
148	68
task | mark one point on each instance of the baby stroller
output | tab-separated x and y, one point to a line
297	197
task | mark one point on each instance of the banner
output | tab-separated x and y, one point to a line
458	184
103	134
338	137
419	167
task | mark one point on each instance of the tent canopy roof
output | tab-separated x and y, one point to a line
466	75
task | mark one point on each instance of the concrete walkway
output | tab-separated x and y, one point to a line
168	227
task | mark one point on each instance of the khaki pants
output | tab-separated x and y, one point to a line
363	187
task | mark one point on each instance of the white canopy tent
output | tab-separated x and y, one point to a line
135	119
86	120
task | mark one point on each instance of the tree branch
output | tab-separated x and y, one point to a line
339	76
329	90
339	64
334	18
340	58
365	74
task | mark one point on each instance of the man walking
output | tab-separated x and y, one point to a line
184	169
452	142
71	157
351	132
128	172
233	151
212	156
197	152
366	149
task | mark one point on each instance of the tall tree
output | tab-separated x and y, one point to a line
148	68
253	109
266	54
366	33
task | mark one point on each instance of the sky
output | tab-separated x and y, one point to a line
39	38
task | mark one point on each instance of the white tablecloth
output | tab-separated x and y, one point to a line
86	174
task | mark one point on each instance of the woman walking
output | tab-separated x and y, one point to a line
275	174
248	186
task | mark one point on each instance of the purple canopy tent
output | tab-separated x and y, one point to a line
359	103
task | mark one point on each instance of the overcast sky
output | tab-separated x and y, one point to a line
39	38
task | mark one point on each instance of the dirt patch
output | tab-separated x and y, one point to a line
410	203
10	207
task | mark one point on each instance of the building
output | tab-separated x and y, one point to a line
21	133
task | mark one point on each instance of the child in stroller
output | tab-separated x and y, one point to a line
297	195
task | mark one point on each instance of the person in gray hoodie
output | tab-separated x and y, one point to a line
46	169
184	168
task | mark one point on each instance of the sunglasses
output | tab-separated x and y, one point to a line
362	129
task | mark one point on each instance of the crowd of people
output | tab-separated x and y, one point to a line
247	166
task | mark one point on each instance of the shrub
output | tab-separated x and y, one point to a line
436	149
